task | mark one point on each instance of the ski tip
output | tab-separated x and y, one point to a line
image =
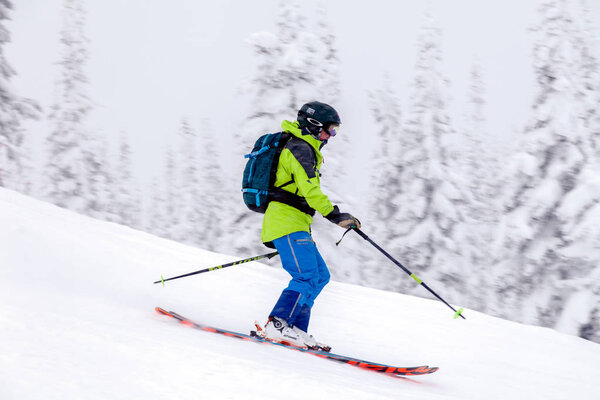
414	371
432	370
459	313
161	311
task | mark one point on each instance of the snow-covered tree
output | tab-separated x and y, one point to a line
295	64
125	203
326	87
555	187
479	164
15	163
385	107
171	197
329	65
293	67
212	191
188	193
425	231
163	215
479	158
385	168
580	208
589	45
190	203
281	68
65	182
98	180
156	219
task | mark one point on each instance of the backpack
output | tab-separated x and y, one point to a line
258	183
261	169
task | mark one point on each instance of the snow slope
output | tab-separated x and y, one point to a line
77	321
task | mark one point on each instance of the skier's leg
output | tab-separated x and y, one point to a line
323	277
299	258
303	317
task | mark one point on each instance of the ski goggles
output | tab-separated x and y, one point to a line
333	130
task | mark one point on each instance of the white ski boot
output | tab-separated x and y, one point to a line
278	330
310	341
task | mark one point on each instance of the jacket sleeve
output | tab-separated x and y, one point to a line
309	188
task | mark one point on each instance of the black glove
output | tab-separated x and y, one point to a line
344	220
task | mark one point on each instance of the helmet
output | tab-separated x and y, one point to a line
315	115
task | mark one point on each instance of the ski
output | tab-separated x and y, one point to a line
377	367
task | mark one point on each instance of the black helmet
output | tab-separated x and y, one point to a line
315	115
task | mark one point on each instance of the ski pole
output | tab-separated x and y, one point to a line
269	255
457	313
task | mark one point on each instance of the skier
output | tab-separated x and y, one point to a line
286	224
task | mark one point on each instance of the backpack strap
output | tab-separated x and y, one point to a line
291	199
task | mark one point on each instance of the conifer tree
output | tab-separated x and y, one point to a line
163	215
171	198
326	88
188	192
289	73
427	228
385	107
554	175
580	209
213	195
98	180
385	168
65	181
15	163
125	204
479	162
478	158
156	221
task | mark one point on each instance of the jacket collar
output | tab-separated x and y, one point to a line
294	129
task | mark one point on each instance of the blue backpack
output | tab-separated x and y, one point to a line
261	169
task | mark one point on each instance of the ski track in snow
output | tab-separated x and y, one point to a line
77	321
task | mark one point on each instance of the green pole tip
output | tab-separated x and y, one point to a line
458	313
162	280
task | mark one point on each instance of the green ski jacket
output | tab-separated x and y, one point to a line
298	171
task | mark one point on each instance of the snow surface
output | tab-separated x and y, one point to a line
77	321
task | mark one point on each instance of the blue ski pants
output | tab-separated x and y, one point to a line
301	259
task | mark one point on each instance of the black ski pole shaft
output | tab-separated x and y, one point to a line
245	260
457	313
